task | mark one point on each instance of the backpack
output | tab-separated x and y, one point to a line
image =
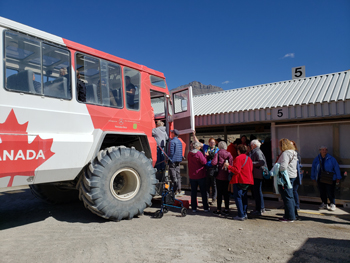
266	173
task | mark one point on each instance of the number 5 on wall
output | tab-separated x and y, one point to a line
280	113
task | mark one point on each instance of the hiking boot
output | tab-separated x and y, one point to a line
256	213
225	212
323	206
217	212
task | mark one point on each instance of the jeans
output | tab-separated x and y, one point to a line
174	172
241	199
202	187
295	193
160	165
211	182
288	200
327	190
258	195
222	187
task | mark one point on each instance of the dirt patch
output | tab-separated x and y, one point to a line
32	231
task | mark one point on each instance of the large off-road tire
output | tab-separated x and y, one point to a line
119	183
54	194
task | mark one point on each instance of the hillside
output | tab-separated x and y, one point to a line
199	88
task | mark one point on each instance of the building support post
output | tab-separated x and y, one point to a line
274	142
225	134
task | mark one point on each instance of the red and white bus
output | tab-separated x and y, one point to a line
75	118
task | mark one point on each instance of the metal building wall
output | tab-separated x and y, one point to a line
309	137
314	97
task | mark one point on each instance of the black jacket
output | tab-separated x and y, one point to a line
81	89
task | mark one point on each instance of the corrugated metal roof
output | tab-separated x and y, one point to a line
312	90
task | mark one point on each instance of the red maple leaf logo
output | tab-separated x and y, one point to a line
17	156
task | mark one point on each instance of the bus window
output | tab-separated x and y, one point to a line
56	72
22	54
114	81
89	69
158	104
180	101
29	62
159	82
132	88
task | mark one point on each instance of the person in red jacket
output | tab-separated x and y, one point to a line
197	174
242	169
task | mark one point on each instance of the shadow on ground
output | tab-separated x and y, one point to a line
323	250
21	208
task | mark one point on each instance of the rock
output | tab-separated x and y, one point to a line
199	88
229	249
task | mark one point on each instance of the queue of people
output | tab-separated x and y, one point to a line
247	168
218	169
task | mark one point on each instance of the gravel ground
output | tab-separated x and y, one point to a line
32	231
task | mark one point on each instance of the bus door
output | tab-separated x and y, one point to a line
182	108
158	104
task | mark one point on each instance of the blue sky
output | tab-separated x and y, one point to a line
230	44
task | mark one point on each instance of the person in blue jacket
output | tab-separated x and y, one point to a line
175	158
326	162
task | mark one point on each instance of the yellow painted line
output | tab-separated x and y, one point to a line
322	214
312	213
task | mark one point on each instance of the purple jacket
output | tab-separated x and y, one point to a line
219	159
196	164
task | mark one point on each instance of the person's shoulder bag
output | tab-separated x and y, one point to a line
325	177
265	172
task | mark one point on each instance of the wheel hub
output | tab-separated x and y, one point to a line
125	184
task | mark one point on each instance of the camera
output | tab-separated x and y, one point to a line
211	155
